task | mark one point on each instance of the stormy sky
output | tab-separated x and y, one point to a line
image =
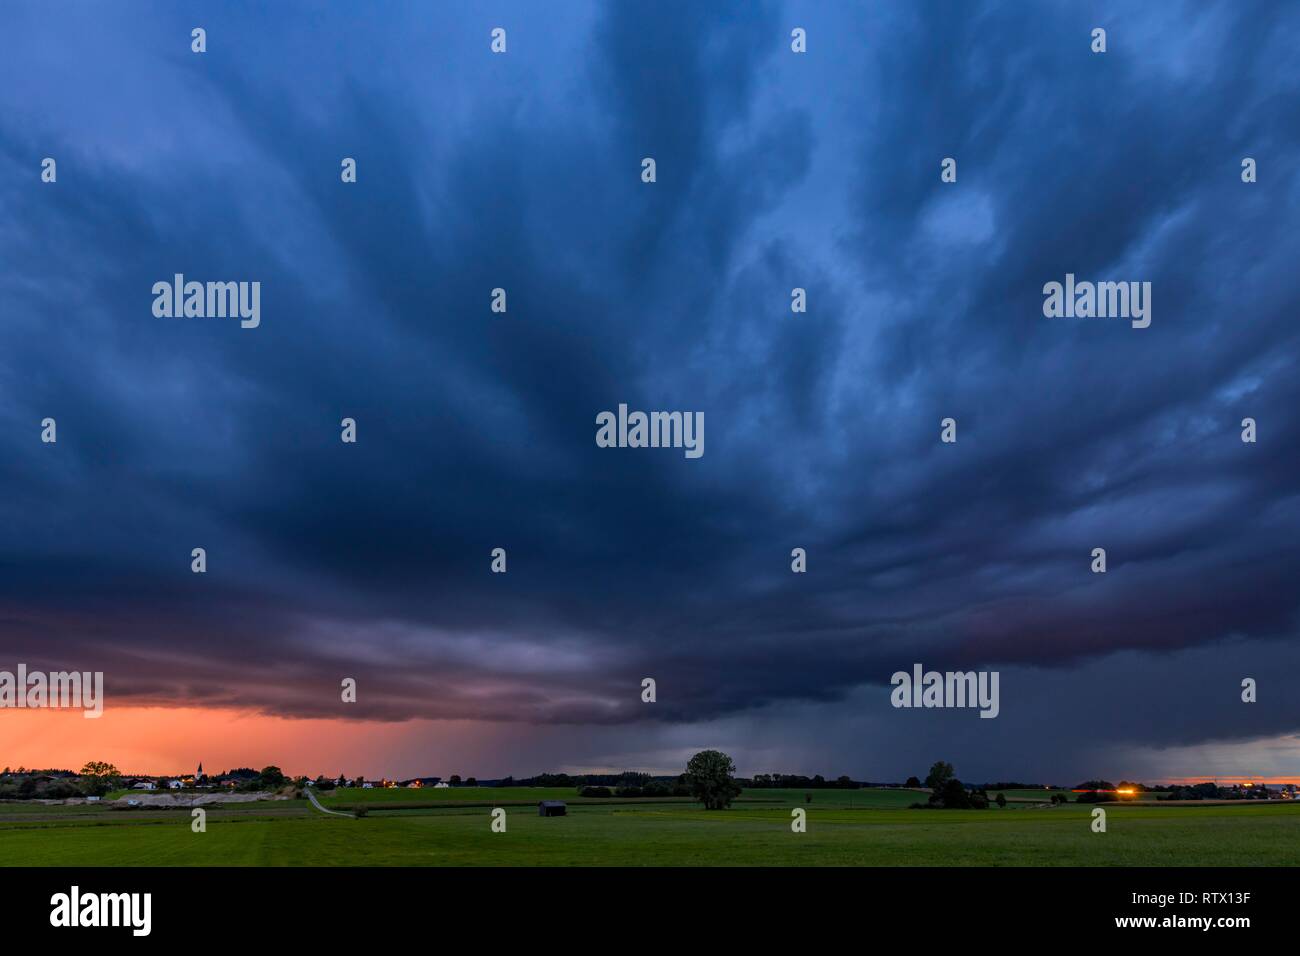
476	430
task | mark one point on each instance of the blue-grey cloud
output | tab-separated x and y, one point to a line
476	430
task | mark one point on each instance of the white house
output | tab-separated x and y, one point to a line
367	786
175	784
441	785
145	785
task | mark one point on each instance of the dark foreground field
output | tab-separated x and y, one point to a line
845	828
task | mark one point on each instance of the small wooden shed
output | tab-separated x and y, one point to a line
552	808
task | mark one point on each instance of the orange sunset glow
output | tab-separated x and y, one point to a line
155	740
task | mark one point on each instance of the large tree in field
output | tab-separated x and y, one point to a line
939	776
711	776
98	778
271	777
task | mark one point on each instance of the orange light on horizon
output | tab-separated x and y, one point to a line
1228	780
155	742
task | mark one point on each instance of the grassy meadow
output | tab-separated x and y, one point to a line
845	828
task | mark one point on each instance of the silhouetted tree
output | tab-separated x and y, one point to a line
939	776
711	777
271	777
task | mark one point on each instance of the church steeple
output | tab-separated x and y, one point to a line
200	773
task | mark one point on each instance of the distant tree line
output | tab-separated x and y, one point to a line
710	778
1210	791
631	785
1015	786
33	784
98	778
652	785
949	793
794	781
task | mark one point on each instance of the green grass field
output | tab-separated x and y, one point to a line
519	796
395	796
845	828
1029	797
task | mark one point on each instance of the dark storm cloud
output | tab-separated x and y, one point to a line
477	430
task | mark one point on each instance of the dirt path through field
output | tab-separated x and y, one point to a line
316	803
